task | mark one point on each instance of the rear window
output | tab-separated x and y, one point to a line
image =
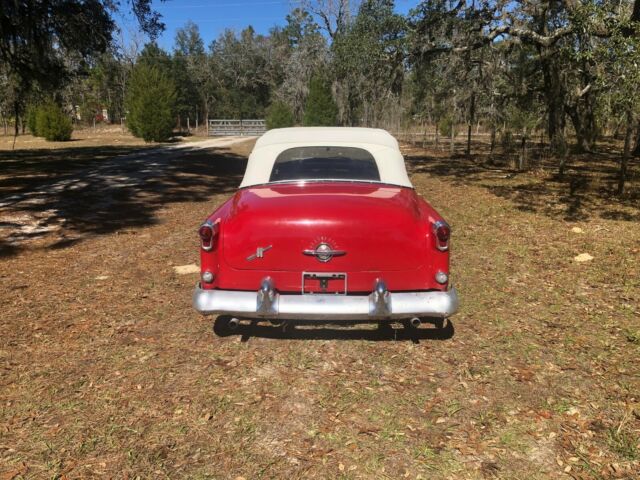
325	163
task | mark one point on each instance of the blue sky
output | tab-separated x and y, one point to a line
214	16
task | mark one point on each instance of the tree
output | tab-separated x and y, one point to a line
621	56
52	123
279	115
242	88
299	49
368	59
38	39
333	15
192	64
320	109
151	103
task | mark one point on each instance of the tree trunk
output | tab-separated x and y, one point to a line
16	111
452	146
584	123
522	159
492	147
555	99
472	114
624	161
636	150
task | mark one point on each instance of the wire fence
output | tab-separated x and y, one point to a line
508	148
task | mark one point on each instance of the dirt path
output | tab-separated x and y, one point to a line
106	371
47	208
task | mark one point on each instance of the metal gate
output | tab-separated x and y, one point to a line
225	127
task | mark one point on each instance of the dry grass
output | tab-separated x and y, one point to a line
101	136
119	377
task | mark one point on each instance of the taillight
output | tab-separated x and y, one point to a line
442	233
208	233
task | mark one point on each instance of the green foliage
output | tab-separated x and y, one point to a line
446	125
279	115
52	123
32	112
151	104
320	109
368	58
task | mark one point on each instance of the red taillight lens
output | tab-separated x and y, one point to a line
208	235
442	233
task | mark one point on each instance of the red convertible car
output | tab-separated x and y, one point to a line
326	226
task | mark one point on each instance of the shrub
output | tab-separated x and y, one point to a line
445	126
320	109
32	112
151	104
279	115
52	123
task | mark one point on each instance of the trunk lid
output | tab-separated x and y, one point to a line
378	227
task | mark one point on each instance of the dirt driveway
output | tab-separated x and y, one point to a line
106	371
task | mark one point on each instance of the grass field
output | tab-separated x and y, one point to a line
106	371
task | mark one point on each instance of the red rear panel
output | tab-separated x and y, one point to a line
377	231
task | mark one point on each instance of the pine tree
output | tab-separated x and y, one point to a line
320	109
151	103
52	123
279	115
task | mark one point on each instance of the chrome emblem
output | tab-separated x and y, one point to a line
324	252
259	253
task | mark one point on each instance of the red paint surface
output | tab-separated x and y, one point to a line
386	232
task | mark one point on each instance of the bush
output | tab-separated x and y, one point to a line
279	115
320	109
32	112
52	123
151	104
445	126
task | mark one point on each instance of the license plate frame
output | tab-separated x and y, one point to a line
324	277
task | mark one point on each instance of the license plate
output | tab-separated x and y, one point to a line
324	282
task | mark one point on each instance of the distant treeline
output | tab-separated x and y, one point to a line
566	68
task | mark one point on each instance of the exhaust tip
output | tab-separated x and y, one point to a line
234	323
415	322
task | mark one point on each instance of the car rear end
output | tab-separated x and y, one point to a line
325	249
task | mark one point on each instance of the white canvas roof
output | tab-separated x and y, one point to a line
380	143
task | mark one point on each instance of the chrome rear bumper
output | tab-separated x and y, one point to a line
379	305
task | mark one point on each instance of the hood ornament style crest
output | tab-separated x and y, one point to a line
324	252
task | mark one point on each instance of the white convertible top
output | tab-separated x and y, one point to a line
380	143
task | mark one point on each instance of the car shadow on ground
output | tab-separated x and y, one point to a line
328	331
60	197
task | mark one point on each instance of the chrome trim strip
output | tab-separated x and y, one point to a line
259	253
325	306
333	253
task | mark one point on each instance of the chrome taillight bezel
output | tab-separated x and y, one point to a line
441	245
207	242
